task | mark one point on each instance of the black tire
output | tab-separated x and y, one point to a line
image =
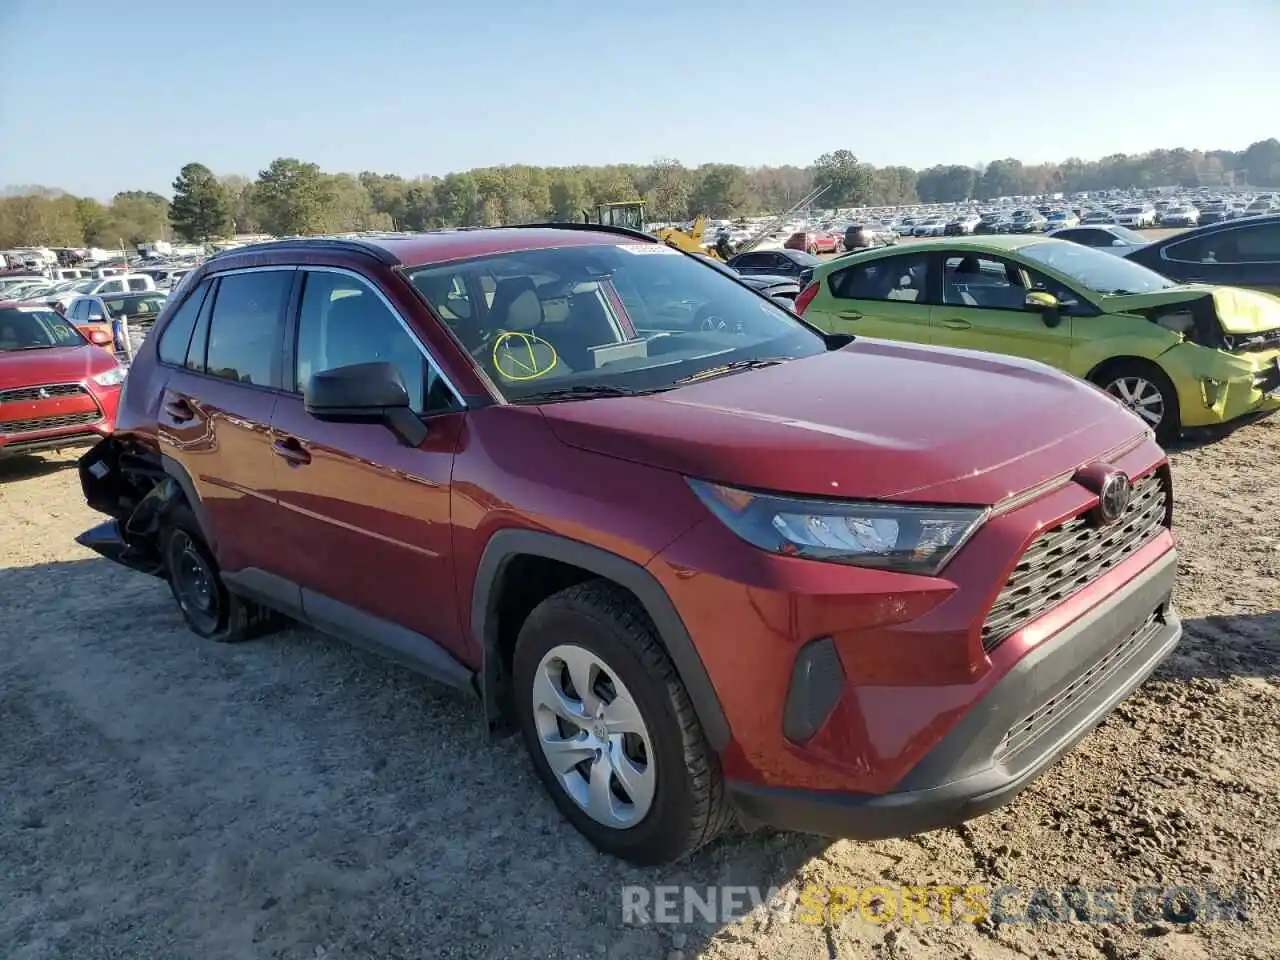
690	806
1111	374
213	612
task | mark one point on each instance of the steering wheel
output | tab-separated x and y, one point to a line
708	320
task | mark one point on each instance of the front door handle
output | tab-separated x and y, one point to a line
291	452
179	410
850	315
957	324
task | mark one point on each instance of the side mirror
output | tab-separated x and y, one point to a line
1045	304
365	393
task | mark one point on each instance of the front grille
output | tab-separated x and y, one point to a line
47	392
1065	700
1070	556
13	427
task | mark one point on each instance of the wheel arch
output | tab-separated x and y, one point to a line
502	556
1122	359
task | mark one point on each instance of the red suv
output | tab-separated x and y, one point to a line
706	558
56	389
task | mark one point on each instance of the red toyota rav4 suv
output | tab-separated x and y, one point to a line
706	558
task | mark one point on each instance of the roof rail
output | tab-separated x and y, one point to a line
345	244
575	225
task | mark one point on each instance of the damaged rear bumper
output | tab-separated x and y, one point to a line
136	496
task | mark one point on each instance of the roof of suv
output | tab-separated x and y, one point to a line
437	246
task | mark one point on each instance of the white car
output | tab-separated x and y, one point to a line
1136	216
1180	216
933	227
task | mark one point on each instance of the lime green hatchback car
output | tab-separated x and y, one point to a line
1176	354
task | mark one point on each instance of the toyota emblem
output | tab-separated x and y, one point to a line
1113	498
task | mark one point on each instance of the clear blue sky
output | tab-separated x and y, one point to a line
98	96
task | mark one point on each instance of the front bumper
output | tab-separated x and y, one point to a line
1048	701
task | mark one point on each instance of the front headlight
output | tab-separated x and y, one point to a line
111	378
886	536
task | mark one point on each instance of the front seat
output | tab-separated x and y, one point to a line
966	271
517	310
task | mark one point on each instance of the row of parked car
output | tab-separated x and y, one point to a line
1044	217
680	532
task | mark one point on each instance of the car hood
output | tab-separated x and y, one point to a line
875	420
1238	310
24	368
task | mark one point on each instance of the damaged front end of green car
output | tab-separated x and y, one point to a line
1228	363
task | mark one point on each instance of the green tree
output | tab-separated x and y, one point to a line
570	195
1002	178
669	188
458	200
292	198
201	206
240	194
723	190
850	181
946	184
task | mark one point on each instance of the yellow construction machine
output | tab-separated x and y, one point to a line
630	214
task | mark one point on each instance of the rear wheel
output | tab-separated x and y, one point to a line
210	609
1144	389
610	728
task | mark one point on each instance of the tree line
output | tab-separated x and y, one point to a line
292	197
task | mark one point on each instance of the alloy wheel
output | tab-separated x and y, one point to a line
1141	396
593	736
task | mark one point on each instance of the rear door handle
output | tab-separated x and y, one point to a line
179	410
957	324
291	452
850	315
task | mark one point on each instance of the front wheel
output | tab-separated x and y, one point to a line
611	730
1144	389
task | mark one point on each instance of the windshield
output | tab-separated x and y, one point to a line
802	258
622	317
85	286
35	328
1094	270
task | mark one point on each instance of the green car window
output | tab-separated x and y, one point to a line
889	278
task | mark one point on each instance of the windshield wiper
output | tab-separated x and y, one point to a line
734	367
585	391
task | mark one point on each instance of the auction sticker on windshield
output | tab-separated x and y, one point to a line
648	248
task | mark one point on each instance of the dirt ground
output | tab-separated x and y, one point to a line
165	798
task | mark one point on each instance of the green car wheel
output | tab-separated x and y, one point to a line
1144	389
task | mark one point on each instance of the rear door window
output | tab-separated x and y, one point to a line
246	327
902	278
137	283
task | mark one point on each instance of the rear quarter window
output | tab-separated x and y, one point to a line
176	337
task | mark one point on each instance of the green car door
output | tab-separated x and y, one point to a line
985	306
879	297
